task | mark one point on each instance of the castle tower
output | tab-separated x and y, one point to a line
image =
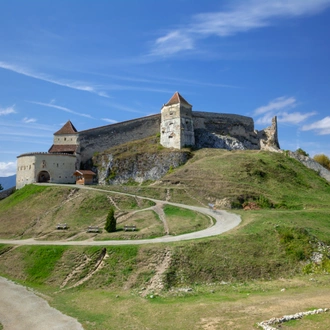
65	140
177	128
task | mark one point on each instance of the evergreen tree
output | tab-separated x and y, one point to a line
110	225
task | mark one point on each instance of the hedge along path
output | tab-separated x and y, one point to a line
224	221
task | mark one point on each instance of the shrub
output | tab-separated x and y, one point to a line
302	152
110	225
323	160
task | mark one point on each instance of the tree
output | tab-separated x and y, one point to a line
111	222
302	152
323	160
1	188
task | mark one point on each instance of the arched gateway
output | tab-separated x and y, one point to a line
43	176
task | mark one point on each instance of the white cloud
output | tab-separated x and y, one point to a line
66	83
27	120
280	107
295	117
111	121
277	104
242	17
7	111
172	43
52	105
322	127
7	169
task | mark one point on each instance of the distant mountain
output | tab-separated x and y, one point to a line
8	181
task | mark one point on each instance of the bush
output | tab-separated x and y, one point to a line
323	160
111	222
302	152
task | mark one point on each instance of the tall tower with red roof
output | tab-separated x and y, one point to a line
177	127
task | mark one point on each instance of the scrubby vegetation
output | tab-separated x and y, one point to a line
323	160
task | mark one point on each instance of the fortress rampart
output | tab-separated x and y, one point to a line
177	125
104	137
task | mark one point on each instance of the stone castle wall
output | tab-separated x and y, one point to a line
101	138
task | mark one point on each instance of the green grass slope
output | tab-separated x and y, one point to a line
274	246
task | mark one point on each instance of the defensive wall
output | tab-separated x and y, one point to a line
101	138
104	137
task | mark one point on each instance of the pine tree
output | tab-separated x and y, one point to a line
110	225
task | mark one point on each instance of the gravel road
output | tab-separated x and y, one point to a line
22	309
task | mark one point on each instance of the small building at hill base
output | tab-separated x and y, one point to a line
84	177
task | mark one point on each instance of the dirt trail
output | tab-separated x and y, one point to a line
22	309
224	221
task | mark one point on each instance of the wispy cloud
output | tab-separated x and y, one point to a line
322	127
7	169
277	104
111	121
27	120
78	85
163	80
7	111
52	105
281	107
241	17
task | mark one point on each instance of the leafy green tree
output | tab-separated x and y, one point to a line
1	188
111	222
323	160
302	152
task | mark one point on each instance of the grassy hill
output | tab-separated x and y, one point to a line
276	245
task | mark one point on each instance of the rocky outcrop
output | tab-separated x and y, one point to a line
268	137
138	167
311	163
205	139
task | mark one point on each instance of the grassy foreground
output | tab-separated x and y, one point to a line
264	268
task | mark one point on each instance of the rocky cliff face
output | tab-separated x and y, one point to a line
312	164
137	167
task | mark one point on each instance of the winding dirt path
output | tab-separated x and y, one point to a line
22	309
224	221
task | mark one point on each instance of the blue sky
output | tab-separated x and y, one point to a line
105	61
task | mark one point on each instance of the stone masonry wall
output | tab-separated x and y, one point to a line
102	138
208	126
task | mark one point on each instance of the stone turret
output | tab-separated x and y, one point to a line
65	140
177	128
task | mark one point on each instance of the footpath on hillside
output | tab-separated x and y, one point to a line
224	221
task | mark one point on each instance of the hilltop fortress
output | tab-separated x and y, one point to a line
177	125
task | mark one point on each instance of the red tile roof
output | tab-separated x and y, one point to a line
177	98
68	128
63	148
83	172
